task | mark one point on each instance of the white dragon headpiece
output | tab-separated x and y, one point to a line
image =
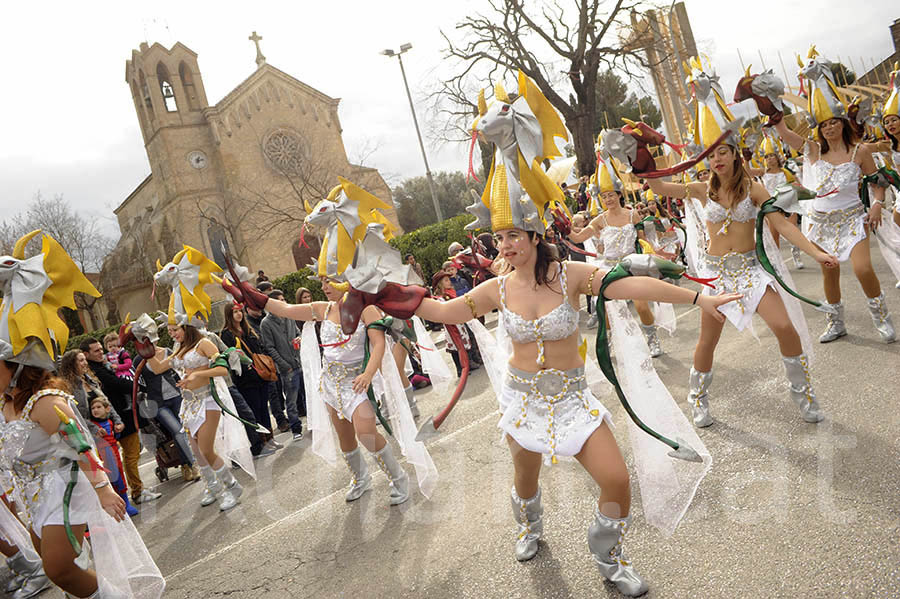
34	289
186	275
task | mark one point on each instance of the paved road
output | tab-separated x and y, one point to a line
789	509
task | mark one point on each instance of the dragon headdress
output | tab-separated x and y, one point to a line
892	104
34	289
345	215
523	128
711	113
187	274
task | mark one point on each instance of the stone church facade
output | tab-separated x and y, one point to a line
233	174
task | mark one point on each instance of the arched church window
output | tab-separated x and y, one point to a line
187	83
285	150
165	87
145	94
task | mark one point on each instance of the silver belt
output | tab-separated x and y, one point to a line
836	216
732	261
547	383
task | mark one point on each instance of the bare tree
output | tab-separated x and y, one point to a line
453	107
577	40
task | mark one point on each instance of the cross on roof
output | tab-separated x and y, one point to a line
260	59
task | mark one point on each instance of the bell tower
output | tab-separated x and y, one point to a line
169	100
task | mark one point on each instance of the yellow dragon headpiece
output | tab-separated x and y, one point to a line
824	100
892	104
187	274
34	289
711	113
524	128
345	215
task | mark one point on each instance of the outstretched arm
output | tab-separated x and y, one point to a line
593	228
678	190
645	288
296	311
458	311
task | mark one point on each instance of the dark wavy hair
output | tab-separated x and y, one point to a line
192	336
848	136
31	380
740	184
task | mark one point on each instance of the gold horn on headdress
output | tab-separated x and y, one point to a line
19	248
482	103
500	93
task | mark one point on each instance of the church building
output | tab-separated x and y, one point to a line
235	174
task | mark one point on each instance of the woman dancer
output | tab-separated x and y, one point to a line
890	118
200	414
730	203
547	407
45	450
833	165
616	228
773	176
339	380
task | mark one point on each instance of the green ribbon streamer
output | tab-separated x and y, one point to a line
222	360
67	502
768	207
603	358
383	325
889	174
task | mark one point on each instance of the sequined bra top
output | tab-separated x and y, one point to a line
744	211
28	454
190	361
558	323
836	185
334	350
618	242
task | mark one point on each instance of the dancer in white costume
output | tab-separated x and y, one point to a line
834	163
46	455
730	203
216	439
890	119
616	229
773	176
338	381
548	409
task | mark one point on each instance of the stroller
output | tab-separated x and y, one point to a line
154	435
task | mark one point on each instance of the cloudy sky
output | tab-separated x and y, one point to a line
69	125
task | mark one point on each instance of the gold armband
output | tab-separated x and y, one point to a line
687	191
589	287
471	303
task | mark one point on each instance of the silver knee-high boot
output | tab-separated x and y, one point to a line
698	396
395	473
796	255
652	340
232	488
529	516
411	400
835	328
30	578
213	487
797	369
360	480
605	538
881	318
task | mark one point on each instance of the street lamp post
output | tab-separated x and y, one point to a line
389	53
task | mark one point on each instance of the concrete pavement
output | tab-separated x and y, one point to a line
789	509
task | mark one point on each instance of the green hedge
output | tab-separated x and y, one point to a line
304	277
429	244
